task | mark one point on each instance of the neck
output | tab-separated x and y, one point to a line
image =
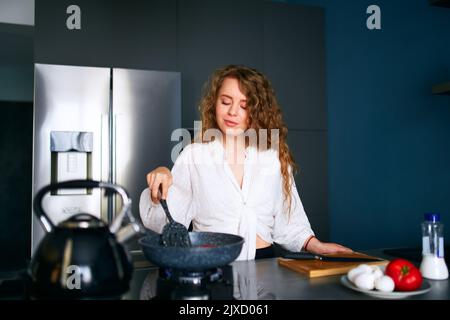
234	148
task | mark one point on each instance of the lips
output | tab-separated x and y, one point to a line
230	123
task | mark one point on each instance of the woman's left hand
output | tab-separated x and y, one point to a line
319	247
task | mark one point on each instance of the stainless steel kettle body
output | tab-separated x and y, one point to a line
82	257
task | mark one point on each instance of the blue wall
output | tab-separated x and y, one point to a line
389	138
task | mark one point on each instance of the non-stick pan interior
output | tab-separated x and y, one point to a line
209	250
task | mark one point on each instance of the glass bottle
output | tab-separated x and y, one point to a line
433	263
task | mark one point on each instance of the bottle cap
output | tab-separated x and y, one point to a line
432	217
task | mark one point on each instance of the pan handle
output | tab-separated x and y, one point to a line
76	184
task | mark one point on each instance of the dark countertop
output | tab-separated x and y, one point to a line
265	279
256	280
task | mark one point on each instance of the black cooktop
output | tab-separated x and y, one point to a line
149	284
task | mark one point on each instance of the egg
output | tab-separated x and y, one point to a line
385	284
362	268
353	273
377	272
365	267
365	281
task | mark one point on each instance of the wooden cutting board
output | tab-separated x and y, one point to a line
317	268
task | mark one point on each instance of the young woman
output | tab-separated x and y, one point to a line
239	177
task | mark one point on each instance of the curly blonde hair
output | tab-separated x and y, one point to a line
263	109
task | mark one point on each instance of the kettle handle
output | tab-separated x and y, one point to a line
44	219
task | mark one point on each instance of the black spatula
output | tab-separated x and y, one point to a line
174	234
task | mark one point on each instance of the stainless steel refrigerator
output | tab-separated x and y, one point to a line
107	124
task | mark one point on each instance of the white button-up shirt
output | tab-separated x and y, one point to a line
206	193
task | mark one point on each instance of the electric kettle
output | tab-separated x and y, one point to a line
82	257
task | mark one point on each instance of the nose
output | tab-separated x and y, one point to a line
232	110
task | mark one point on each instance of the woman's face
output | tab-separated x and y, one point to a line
231	109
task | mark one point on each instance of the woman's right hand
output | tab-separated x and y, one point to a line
161	176
318	247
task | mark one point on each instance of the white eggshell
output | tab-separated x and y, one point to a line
365	281
375	268
353	273
365	267
377	273
385	284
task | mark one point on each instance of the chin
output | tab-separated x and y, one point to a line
233	132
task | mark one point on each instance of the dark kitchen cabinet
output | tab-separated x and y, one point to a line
212	34
16	147
138	34
286	42
310	150
294	60
16	143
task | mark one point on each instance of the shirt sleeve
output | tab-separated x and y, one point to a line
291	230
179	197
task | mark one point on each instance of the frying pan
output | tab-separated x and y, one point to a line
208	250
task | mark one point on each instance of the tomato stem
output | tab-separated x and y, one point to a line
405	270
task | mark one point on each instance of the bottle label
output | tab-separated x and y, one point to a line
431	248
440	252
425	246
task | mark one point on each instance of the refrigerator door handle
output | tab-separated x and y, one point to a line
112	165
105	147
104	155
115	156
114	149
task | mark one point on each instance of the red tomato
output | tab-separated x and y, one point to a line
406	276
